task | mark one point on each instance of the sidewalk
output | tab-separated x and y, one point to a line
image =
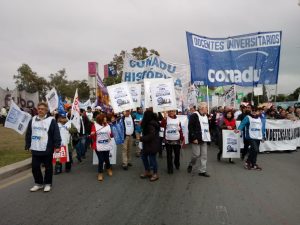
12	169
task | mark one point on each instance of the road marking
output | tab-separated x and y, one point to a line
14	181
222	214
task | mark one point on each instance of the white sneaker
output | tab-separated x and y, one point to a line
36	188
47	188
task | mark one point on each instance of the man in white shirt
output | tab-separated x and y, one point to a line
129	130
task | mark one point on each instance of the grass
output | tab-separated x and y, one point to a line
11	147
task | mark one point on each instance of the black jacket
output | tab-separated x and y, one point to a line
194	129
54	139
150	138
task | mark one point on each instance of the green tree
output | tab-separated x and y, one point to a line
139	53
28	80
59	82
83	89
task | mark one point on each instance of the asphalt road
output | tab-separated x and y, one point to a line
232	195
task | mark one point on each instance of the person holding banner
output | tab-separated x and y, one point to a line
151	145
42	138
127	145
138	116
255	129
102	144
228	123
173	136
199	136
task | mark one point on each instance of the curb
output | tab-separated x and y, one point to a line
12	169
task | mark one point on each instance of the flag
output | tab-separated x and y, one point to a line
16	119
61	109
75	112
102	95
109	70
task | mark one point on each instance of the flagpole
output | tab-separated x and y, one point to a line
234	91
207	98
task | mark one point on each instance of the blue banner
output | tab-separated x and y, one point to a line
117	129
245	60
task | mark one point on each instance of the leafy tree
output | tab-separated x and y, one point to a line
28	80
139	53
59	82
83	89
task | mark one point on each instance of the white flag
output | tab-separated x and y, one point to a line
17	119
52	99
75	112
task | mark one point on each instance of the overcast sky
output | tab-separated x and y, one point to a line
50	35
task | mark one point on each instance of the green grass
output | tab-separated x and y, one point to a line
11	147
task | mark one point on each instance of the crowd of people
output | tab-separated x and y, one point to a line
150	132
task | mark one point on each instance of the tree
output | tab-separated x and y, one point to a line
59	82
29	81
139	53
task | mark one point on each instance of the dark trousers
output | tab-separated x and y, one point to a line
245	150
170	149
37	172
103	157
254	149
69	164
149	161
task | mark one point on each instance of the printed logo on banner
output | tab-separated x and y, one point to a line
244	60
62	155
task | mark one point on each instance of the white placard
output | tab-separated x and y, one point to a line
147	92
258	91
231	144
112	154
120	97
184	126
163	95
135	91
17	119
52	99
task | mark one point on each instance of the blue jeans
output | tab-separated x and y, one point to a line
149	161
80	148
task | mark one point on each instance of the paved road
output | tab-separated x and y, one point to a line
232	195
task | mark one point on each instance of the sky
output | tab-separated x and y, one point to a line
50	35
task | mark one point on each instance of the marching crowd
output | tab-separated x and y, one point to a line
150	132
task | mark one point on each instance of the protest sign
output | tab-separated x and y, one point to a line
163	95
231	144
75	112
52	99
17	119
120	97
135	91
112	154
184	126
154	67
62	156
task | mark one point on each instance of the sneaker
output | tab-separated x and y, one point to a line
189	169
247	166
256	167
154	177
47	188
204	174
100	177
36	188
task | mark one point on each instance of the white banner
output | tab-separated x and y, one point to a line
147	92
258	91
120	97
52	99
231	144
17	119
21	98
163	95
184	126
153	67
192	95
281	135
112	154
136	91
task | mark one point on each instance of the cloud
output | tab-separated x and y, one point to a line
50	35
